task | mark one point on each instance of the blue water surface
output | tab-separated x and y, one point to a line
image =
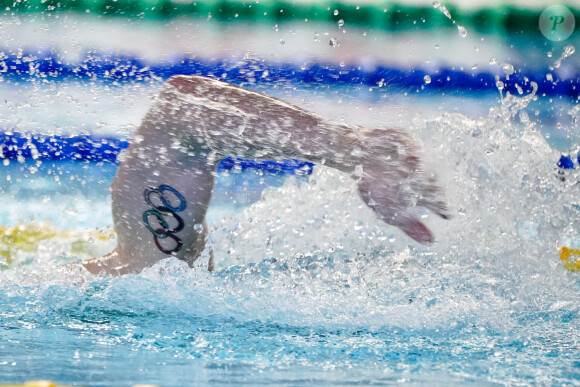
180	327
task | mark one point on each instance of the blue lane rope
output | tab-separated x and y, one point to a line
17	146
566	162
48	66
93	148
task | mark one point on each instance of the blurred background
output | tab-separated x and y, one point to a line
78	66
91	68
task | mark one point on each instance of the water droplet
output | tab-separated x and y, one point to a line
550	54
568	50
442	8
549	77
437	47
335	12
462	31
427	79
282	41
508	69
334	42
340	23
156	173
493	61
198	227
524	117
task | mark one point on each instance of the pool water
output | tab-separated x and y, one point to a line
309	288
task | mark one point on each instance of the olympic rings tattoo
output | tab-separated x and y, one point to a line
161	212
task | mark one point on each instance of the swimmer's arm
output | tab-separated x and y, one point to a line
236	122
196	121
111	263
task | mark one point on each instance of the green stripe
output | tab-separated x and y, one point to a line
397	17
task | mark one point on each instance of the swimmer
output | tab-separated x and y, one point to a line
163	187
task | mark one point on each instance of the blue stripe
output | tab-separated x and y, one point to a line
14	146
50	66
85	148
566	162
92	148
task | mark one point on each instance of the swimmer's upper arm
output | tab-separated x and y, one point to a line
250	102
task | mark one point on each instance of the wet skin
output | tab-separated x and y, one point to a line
163	187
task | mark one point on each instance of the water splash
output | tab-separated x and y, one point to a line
460	29
568	51
443	9
499	175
